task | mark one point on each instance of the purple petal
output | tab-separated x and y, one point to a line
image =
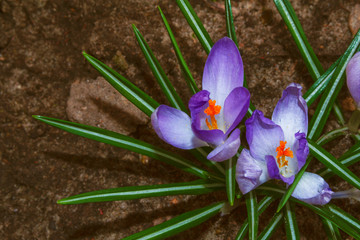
235	107
199	102
287	180
228	149
263	135
291	113
272	167
312	189
302	149
174	127
223	70
353	77
250	172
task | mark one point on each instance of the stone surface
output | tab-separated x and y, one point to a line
43	72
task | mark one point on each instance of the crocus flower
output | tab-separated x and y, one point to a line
353	78
278	149
215	111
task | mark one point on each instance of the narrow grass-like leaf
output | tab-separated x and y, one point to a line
329	96
323	212
332	231
136	192
230	28
230	179
183	66
196	25
331	162
178	224
122	141
262	206
159	73
320	84
344	216
291	227
328	137
292	22
272	226
292	187
252	212
347	160
140	99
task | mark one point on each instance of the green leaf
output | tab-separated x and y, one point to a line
323	212
347	161
122	141
331	230
252	212
292	22
230	179
159	73
291	227
183	66
262	206
230	28
292	187
329	96
140	99
344	216
272	226
137	192
331	162
178	224
320	84
195	24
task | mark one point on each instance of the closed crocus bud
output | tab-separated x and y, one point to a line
353	83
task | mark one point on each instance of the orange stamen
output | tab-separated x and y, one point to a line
212	110
282	153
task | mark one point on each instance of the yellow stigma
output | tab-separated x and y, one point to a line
211	111
282	153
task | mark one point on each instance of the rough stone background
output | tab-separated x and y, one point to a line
43	72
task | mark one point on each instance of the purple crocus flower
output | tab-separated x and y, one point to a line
215	111
353	78
278	149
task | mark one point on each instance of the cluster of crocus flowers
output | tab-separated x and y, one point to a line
278	150
215	111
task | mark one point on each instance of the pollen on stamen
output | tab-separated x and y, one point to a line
282	153
211	111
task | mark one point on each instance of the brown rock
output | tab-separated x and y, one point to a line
354	19
97	103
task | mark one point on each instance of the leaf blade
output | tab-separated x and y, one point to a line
159	73
139	98
137	192
126	142
252	211
195	24
178	224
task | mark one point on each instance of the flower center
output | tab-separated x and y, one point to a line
211	111
282	153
